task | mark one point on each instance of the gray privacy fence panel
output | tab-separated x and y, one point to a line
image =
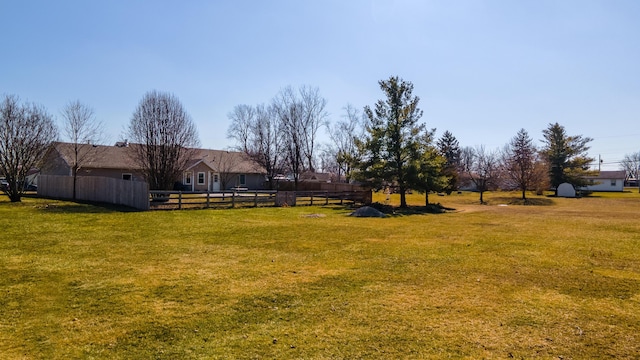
96	188
53	186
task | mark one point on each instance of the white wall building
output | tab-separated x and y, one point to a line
608	181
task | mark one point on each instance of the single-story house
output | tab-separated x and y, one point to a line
216	170
212	170
607	181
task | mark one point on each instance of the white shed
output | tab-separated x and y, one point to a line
566	190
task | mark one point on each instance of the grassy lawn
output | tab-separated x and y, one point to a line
559	279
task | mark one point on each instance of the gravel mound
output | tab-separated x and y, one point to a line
367	211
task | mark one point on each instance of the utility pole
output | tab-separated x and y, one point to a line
599	162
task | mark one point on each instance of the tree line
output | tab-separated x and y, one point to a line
387	146
384	145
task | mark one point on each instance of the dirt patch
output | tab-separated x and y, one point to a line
314	215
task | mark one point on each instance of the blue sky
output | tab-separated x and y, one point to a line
482	69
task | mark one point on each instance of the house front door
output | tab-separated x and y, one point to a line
215	182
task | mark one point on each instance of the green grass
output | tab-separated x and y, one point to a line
560	278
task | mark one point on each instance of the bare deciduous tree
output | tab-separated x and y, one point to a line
268	143
26	131
289	112
83	130
631	165
314	116
300	116
481	168
242	128
328	163
164	137
343	135
257	134
226	164
283	135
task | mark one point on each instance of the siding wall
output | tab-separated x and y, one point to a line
607	185
194	177
99	189
111	173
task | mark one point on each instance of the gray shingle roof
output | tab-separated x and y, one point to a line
619	174
121	157
228	161
100	156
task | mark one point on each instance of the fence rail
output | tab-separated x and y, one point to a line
159	200
310	198
137	195
166	200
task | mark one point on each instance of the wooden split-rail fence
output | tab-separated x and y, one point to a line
159	200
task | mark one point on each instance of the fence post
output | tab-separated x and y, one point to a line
233	199
326	198
179	200
341	198
311	198
208	196
255	199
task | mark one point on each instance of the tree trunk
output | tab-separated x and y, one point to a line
75	182
524	197
13	192
426	198
481	200
403	198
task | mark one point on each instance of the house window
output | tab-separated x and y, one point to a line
200	178
187	178
613	182
126	177
216	178
242	179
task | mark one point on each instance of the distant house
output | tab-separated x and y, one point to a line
212	170
607	181
631	182
316	176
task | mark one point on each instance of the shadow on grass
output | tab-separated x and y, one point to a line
520	201
81	207
411	210
392	211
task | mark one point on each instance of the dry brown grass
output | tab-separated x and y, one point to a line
560	279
